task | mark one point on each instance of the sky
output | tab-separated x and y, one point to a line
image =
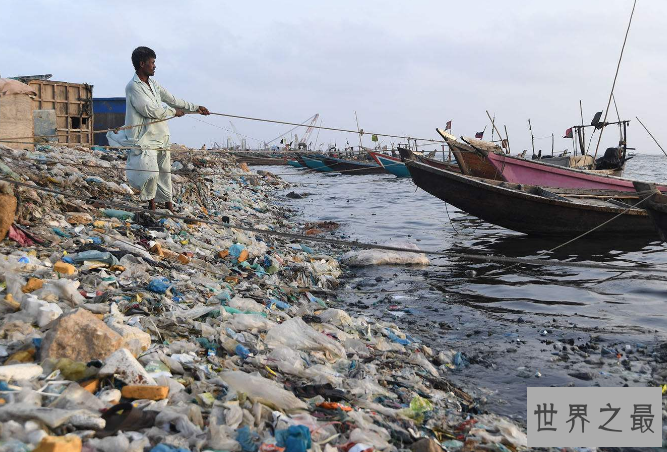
405	68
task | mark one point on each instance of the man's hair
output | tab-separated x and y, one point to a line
141	54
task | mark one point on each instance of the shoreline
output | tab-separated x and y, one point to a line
230	323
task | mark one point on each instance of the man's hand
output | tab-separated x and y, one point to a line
203	110
178	113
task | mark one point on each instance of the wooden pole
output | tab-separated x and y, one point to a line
493	125
581	134
507	139
359	130
552	144
532	138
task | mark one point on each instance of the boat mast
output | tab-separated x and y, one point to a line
532	137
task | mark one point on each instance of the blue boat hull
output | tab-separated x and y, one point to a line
317	165
398	169
294	163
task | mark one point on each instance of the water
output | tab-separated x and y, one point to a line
495	316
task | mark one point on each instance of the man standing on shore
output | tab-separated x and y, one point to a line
149	161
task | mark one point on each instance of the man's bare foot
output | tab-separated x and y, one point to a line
151	204
169	206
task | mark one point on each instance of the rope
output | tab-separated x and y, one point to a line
613	85
345	243
186	172
656	141
249	118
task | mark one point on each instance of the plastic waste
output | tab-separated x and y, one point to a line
294	439
241	351
159	285
248	439
295	333
262	390
120	214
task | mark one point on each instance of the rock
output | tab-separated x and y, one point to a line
64	268
7	212
80	336
69	443
134	339
20	372
78	218
425	445
587	376
145	392
122	365
32	285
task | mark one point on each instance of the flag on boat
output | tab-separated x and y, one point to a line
374	137
568	133
448	126
479	135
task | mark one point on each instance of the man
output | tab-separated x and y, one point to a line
149	162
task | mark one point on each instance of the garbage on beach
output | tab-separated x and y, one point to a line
135	332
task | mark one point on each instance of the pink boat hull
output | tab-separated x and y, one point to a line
521	171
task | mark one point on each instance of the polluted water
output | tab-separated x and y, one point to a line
509	326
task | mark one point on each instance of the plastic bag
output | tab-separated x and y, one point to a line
364	258
262	390
245	322
245	304
297	334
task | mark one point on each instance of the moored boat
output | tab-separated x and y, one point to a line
534	210
470	161
522	171
352	167
407	154
316	164
391	164
656	206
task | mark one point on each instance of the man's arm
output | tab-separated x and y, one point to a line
173	101
177	103
145	106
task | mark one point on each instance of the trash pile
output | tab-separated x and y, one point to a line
123	331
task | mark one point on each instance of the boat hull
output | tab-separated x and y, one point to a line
295	163
526	212
471	162
315	164
353	168
392	165
521	171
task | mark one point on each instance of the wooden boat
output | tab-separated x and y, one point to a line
656	206
521	171
534	210
353	167
257	159
316	164
408	154
470	161
391	164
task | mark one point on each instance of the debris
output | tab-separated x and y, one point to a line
80	336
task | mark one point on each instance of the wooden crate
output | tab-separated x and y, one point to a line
73	104
16	120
